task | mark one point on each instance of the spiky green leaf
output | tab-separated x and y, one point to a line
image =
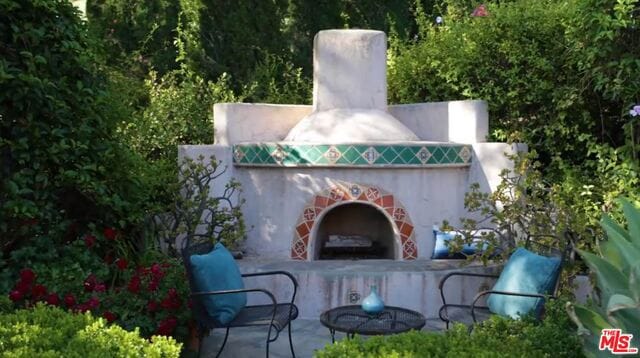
632	214
610	279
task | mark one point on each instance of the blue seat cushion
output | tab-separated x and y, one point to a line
525	272
218	271
441	251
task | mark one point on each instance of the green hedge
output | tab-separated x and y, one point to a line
498	337
46	331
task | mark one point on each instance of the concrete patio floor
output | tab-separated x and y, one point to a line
308	336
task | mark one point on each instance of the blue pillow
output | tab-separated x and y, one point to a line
525	272
218	271
441	251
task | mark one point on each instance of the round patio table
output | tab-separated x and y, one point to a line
352	320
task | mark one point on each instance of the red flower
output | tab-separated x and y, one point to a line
23	287
93	303
171	301
134	284
122	264
89	240
38	291
110	317
27	275
152	306
100	287
69	300
157	271
15	295
153	284
53	299
166	326
108	259
90	283
110	233
83	308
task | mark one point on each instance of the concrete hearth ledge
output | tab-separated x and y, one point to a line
330	283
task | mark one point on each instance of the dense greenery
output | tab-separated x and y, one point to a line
46	331
62	167
497	337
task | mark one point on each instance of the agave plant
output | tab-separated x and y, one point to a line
617	271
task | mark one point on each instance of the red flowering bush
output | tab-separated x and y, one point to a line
87	276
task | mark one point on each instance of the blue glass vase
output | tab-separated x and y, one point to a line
373	304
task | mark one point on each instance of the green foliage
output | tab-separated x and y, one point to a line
275	80
497	337
618	281
523	208
201	211
61	164
179	111
46	331
136	33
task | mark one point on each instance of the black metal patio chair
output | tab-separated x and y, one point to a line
276	316
473	309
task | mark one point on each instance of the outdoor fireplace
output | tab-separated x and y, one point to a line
354	231
351	177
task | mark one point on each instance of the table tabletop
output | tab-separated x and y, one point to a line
352	319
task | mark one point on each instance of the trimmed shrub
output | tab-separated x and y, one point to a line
497	337
51	332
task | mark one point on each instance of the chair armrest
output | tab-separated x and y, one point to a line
508	293
270	273
451	274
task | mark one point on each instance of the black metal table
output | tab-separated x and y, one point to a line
352	320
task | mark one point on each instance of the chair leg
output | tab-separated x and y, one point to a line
267	348
200	340
226	335
293	354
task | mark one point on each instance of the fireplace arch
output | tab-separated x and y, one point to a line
341	194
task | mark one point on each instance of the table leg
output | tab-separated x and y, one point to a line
333	335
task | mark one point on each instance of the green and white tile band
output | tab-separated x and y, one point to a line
365	155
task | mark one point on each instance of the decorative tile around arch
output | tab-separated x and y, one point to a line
351	192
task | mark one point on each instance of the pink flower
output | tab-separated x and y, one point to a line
110	317
89	241
110	233
15	295
53	299
27	275
480	11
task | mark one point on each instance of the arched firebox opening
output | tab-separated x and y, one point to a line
354	231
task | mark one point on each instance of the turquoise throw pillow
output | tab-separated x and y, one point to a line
218	271
525	272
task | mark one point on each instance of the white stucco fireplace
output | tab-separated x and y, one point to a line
351	172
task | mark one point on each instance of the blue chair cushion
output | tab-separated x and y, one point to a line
525	272
441	251
217	271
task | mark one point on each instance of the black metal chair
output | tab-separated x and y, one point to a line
565	253
277	316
